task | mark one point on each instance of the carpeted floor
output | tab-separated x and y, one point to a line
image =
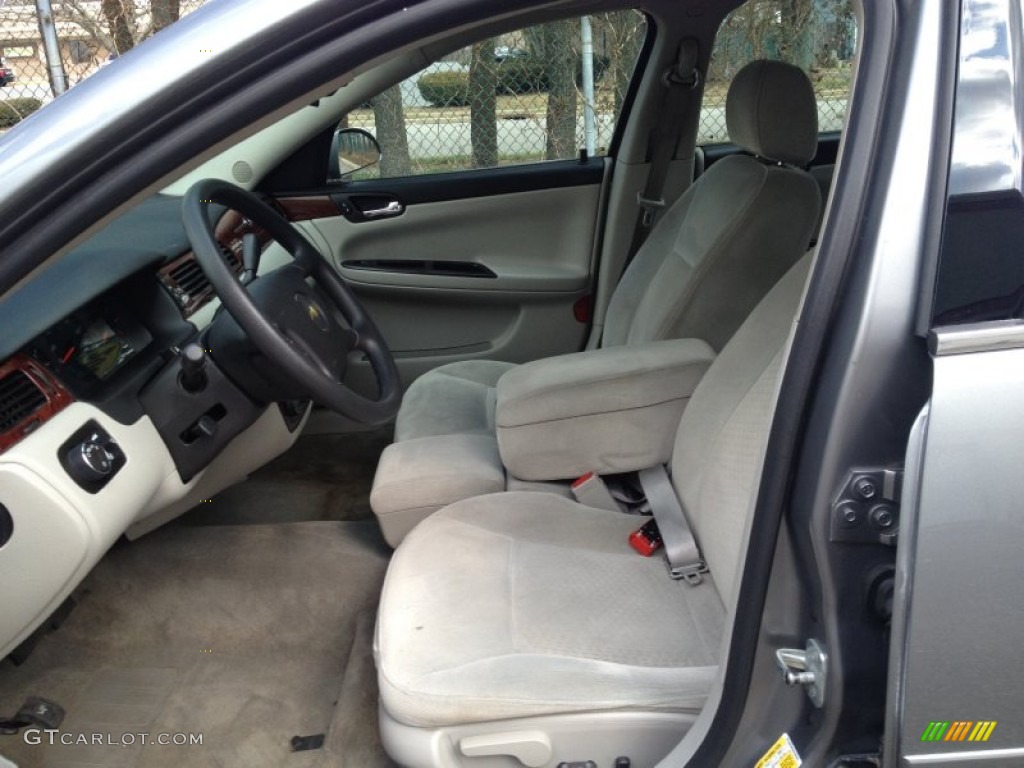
323	477
249	621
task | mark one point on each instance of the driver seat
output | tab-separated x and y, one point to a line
520	628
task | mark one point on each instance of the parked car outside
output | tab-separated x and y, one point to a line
6	74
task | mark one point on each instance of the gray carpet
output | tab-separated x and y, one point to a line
248	634
322	477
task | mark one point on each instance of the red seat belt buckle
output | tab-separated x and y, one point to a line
582	480
646	539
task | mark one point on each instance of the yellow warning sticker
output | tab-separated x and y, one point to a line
781	754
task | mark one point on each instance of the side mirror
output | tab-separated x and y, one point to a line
352	150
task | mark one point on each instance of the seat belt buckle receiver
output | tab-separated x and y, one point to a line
692	573
646	539
650	207
591	491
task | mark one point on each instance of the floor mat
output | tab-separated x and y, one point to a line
244	636
321	477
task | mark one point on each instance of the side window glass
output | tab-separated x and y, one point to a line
819	36
536	94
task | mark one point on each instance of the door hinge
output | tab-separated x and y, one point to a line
807	668
867	507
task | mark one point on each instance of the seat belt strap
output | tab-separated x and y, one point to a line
684	558
680	78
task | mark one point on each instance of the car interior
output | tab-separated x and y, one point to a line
338	465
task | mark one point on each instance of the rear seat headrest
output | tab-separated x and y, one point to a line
771	111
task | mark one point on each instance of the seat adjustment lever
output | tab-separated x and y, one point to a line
531	748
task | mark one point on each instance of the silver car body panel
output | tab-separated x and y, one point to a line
970	759
959	598
959	607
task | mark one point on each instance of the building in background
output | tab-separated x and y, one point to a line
90	34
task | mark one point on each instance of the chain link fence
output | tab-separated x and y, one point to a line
541	93
528	95
89	34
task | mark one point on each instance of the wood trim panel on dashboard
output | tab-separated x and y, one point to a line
56	398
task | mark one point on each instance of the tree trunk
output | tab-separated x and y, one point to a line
391	133
165	13
798	20
623	32
483	105
117	16
560	66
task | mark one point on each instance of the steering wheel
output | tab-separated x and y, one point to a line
285	317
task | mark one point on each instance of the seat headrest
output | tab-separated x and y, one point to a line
771	111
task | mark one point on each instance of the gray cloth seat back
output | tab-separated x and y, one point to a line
717	456
715	253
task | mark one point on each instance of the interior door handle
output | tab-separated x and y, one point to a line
394	208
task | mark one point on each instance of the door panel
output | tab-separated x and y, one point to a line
532	241
493	274
470	230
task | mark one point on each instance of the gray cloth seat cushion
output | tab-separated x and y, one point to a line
519	604
419	476
457	398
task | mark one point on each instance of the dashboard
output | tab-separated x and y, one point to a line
127	320
119	348
98	439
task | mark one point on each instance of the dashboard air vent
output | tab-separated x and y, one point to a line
189	278
231	258
19	399
188	283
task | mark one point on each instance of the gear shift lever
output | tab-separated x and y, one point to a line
193	368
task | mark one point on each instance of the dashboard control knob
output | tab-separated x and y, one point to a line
91	457
193	368
89	462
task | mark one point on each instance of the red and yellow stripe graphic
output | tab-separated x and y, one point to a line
958	730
